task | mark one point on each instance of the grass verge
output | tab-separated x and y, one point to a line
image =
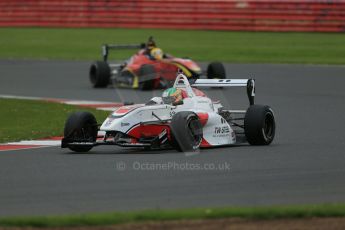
274	212
29	119
238	47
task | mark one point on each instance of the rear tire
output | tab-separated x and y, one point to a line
216	70
259	125
81	126
99	74
147	77
186	131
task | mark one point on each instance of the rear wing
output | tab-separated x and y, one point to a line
249	83
107	47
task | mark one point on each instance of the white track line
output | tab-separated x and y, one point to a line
37	142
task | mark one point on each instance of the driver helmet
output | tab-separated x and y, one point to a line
175	93
157	53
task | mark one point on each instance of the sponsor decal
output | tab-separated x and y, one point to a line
124	124
223	131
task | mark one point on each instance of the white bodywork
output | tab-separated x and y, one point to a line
216	130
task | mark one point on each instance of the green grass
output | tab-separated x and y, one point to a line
28	119
237	47
329	210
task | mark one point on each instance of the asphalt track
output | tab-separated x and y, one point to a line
304	165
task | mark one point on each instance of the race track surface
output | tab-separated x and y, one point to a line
304	165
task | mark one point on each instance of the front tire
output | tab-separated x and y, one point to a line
99	74
186	131
216	70
259	125
81	127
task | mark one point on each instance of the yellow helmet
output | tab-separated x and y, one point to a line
157	53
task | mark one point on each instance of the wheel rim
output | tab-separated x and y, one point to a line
195	132
268	129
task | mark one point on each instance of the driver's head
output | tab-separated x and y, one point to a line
157	53
168	92
176	94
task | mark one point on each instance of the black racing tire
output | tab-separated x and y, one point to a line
147	76
81	126
99	74
186	131
259	125
216	70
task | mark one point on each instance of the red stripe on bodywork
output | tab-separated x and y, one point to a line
147	130
126	109
204	143
203	118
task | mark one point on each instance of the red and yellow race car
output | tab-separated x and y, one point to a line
147	69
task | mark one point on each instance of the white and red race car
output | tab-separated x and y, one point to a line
196	122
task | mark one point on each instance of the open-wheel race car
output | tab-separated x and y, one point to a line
184	118
149	68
